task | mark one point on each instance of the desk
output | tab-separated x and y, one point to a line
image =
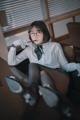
11	105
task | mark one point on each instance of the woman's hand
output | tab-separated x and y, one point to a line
19	43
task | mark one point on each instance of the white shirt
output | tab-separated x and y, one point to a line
52	57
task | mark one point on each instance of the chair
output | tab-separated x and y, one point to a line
74	38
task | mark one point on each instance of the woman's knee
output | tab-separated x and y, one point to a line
45	79
43	73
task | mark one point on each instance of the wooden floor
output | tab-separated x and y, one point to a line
13	107
44	113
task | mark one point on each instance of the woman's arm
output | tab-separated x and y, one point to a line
71	67
64	63
14	59
12	56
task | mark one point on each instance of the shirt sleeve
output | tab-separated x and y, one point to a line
69	67
60	55
63	61
14	59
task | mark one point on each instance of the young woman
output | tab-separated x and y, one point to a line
44	57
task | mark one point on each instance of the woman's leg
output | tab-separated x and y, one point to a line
31	96
47	90
37	76
20	75
57	98
46	80
33	74
60	79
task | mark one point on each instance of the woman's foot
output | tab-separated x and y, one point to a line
13	85
49	96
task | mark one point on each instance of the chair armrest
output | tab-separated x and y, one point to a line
69	52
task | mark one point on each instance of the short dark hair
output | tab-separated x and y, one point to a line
42	26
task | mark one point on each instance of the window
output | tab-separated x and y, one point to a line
57	7
21	12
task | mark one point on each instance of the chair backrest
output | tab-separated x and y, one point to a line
74	38
74	33
69	52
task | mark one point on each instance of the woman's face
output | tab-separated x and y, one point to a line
36	35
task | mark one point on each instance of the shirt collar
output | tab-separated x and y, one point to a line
45	44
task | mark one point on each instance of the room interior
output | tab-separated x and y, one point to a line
12	106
